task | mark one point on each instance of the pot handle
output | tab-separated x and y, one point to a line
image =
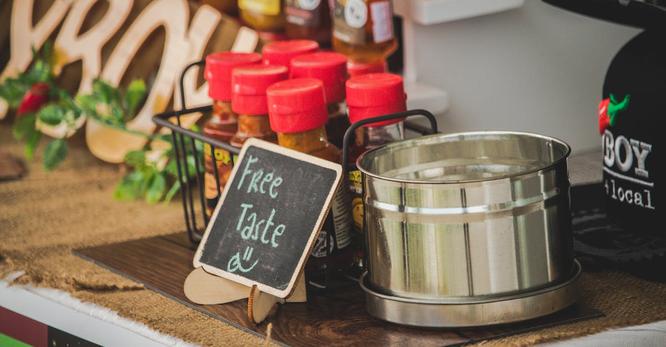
350	133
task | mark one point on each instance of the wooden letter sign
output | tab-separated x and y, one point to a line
268	217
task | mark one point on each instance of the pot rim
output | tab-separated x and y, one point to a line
405	143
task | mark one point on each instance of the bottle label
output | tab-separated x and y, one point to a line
355	182
338	221
356	190
221	156
349	19
303	12
267	7
319	249
341	218
382	21
351	16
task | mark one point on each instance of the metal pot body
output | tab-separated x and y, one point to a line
469	215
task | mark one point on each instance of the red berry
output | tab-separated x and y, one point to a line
34	98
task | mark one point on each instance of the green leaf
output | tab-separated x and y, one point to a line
70	116
86	103
40	71
172	192
191	167
117	115
31	142
148	176
164	137
130	186
54	153
47	53
156	189
24	126
172	167
51	114
136	158
24	129
12	91
134	95
104	92
124	191
65	100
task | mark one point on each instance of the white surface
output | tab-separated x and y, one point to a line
647	335
87	321
535	68
426	97
439	11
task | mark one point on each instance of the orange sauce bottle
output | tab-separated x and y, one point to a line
248	100
331	69
308	19
363	29
281	52
297	111
368	96
222	123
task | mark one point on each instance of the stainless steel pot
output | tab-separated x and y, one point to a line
469	216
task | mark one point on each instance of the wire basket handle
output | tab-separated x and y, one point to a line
350	133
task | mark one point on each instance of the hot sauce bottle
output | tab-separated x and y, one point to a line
262	15
281	52
297	111
331	69
248	100
222	123
363	29
369	96
308	19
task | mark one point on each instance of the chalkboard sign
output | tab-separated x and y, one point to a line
268	217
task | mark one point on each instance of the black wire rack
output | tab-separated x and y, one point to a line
184	141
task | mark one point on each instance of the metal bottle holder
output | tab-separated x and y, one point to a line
184	140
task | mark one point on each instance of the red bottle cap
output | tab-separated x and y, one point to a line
328	67
357	69
281	52
374	95
218	71
249	84
297	105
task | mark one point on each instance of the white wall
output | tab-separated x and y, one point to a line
536	68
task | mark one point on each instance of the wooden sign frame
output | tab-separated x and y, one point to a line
337	168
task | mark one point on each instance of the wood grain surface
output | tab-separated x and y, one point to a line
162	263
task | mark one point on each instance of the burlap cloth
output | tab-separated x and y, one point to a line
45	215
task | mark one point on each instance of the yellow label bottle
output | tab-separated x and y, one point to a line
262	15
363	29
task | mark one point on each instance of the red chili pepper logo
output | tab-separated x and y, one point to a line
34	98
608	110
